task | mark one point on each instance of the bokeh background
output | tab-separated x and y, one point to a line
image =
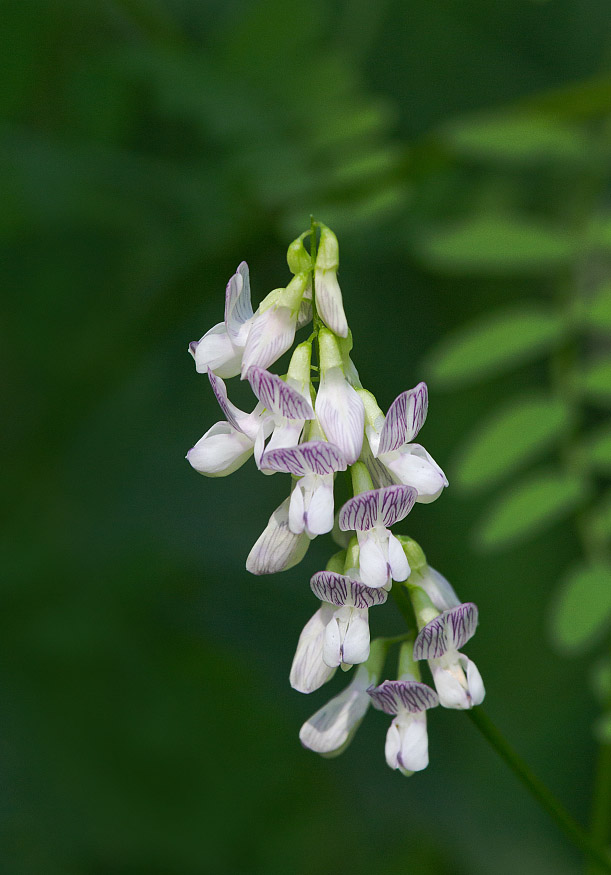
148	146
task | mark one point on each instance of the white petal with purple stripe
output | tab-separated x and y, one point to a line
377	507
340	590
392	697
271	334
278	396
238	309
341	414
405	418
277	548
448	632
313	457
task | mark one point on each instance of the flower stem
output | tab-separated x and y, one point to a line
546	799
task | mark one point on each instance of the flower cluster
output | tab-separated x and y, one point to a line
312	433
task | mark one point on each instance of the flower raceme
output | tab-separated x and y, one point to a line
313	423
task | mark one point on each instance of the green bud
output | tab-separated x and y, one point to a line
408	669
329	350
298	258
424	608
352	555
336	562
327	257
294	292
414	552
299	366
373	414
271	300
361	478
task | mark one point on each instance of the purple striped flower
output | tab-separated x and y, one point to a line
406	740
390	441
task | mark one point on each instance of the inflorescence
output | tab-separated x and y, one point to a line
311	435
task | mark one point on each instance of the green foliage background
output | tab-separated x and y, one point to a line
460	151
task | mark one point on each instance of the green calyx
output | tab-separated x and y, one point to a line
407	668
414	553
298	258
361	478
336	562
424	609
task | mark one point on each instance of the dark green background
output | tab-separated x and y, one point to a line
148	147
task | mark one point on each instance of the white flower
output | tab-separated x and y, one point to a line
339	409
314	463
328	294
221	348
337	634
277	548
407	746
346	637
331	729
244	339
281	412
381	556
390	443
457	679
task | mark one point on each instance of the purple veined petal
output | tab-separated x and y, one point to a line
329	301
392	697
413	466
404	419
235	417
439	590
449	631
380	475
277	548
238	308
221	451
341	414
271	334
216	351
385	506
313	457
277	396
340	590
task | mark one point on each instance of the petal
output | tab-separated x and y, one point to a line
404	419
244	422
216	351
451	685
283	436
238	308
305	308
277	548
415	467
474	680
355	648
379	473
438	589
373	564
399	566
331	651
395	696
277	395
449	631
341	414
313	457
414	753
392	748
308	671
385	506
340	590
271	334
332	727
319	512
220	451
296	511
329	301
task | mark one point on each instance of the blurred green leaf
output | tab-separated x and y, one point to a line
510	438
494	343
599	233
582	607
497	244
597	311
595	380
528	507
597	449
599	519
519	139
602	728
600	680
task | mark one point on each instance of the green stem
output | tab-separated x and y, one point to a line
600	831
404	604
540	792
